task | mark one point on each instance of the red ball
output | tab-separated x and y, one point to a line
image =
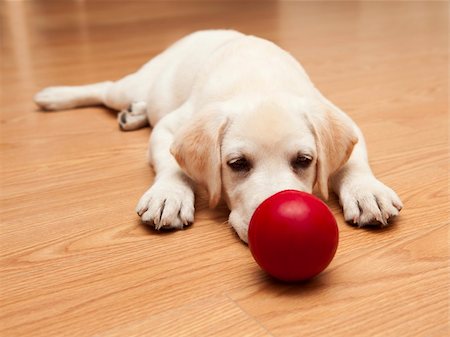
293	235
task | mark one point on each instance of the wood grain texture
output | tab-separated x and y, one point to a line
75	260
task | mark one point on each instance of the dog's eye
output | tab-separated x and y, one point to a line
301	162
239	165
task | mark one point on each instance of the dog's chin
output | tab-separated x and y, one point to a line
239	225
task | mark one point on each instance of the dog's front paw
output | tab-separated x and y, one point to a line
367	201
167	205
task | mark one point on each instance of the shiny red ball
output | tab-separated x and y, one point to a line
293	235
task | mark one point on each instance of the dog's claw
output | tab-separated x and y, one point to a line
167	205
367	201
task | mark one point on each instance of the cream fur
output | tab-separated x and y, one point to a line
218	96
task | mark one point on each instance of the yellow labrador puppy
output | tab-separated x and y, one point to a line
239	116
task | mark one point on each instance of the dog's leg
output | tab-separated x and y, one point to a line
68	97
364	198
118	95
169	202
125	94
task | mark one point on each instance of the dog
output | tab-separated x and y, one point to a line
239	116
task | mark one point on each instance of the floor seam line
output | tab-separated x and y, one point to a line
251	316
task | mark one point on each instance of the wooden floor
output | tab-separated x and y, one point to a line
75	260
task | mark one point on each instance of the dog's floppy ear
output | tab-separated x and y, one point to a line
196	148
335	139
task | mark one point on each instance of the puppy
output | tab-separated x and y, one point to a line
239	116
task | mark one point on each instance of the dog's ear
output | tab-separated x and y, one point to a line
196	148
335	139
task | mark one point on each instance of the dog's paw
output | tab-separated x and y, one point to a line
56	98
133	118
167	205
367	201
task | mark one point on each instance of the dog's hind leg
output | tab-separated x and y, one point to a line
68	97
117	95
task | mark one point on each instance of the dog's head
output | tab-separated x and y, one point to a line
248	150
